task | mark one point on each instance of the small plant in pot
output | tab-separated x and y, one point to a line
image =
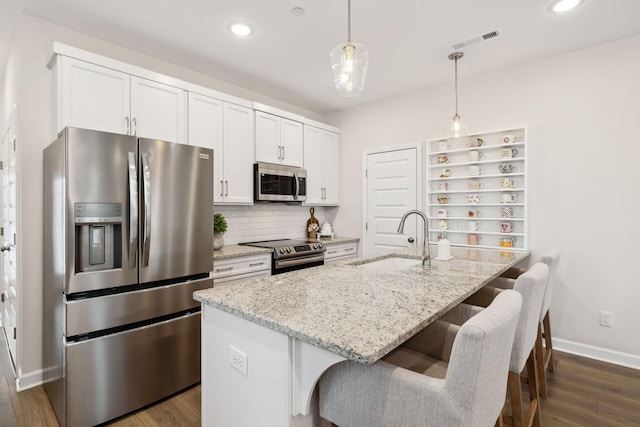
219	228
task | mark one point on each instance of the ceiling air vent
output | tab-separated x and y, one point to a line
476	39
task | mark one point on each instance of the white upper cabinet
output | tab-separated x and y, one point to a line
239	154
158	111
228	130
90	96
278	140
322	164
95	97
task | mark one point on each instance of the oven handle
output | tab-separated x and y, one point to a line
282	263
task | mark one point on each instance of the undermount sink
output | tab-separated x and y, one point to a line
391	264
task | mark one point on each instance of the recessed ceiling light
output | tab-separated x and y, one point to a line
297	11
240	29
564	5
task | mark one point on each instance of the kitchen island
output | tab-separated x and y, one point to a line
265	343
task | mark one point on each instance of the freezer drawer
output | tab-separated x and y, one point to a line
99	313
110	376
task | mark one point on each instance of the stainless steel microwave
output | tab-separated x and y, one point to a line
277	183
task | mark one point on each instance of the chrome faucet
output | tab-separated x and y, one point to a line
426	257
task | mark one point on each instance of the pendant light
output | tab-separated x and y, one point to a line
349	64
457	125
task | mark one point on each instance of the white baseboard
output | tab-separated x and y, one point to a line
30	380
597	353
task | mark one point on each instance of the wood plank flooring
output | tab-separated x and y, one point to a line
582	392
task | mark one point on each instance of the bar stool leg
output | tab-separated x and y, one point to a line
542	372
548	361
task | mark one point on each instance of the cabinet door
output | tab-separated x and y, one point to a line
313	164
330	167
158	111
92	97
238	154
205	130
291	142
268	138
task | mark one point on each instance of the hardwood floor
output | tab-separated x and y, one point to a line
582	392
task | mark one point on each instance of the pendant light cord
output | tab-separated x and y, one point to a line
456	85
349	21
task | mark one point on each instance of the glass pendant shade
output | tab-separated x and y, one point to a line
457	127
349	67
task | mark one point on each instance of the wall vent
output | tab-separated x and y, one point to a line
476	39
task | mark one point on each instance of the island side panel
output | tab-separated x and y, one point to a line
229	397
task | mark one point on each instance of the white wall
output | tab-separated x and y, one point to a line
26	82
581	109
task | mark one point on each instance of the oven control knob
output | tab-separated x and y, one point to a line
281	250
288	250
316	246
319	245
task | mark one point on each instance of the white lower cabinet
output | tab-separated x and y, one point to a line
322	164
232	270
340	252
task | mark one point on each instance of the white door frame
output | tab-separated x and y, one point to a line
420	153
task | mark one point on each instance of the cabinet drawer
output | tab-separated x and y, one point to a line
241	265
340	252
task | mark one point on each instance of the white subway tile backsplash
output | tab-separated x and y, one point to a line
269	221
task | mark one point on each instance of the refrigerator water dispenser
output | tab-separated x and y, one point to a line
98	228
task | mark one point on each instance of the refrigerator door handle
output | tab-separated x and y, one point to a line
146	197
133	210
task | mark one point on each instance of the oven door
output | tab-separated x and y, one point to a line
297	263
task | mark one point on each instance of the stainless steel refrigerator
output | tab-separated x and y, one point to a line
128	238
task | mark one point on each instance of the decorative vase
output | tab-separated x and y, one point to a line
312	225
218	241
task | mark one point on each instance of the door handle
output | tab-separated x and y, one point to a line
133	210
221	188
226	184
146	176
411	240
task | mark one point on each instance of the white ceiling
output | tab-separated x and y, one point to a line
287	57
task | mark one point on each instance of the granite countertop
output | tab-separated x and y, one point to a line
234	251
356	312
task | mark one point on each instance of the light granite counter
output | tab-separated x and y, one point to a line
359	313
268	341
235	251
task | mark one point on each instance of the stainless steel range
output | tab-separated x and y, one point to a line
290	255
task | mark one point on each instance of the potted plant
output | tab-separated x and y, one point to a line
219	228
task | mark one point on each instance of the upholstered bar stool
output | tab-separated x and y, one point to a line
531	285
412	386
544	357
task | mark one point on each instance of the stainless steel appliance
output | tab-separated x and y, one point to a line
127	240
290	255
277	183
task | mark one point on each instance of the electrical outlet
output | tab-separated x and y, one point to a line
606	318
238	359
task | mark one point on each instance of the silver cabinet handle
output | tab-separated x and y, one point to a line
133	209
6	247
126	119
349	249
224	269
331	252
283	152
134	123
146	242
226	193
221	188
255	264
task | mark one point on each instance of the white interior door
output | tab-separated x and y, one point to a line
9	238
391	191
